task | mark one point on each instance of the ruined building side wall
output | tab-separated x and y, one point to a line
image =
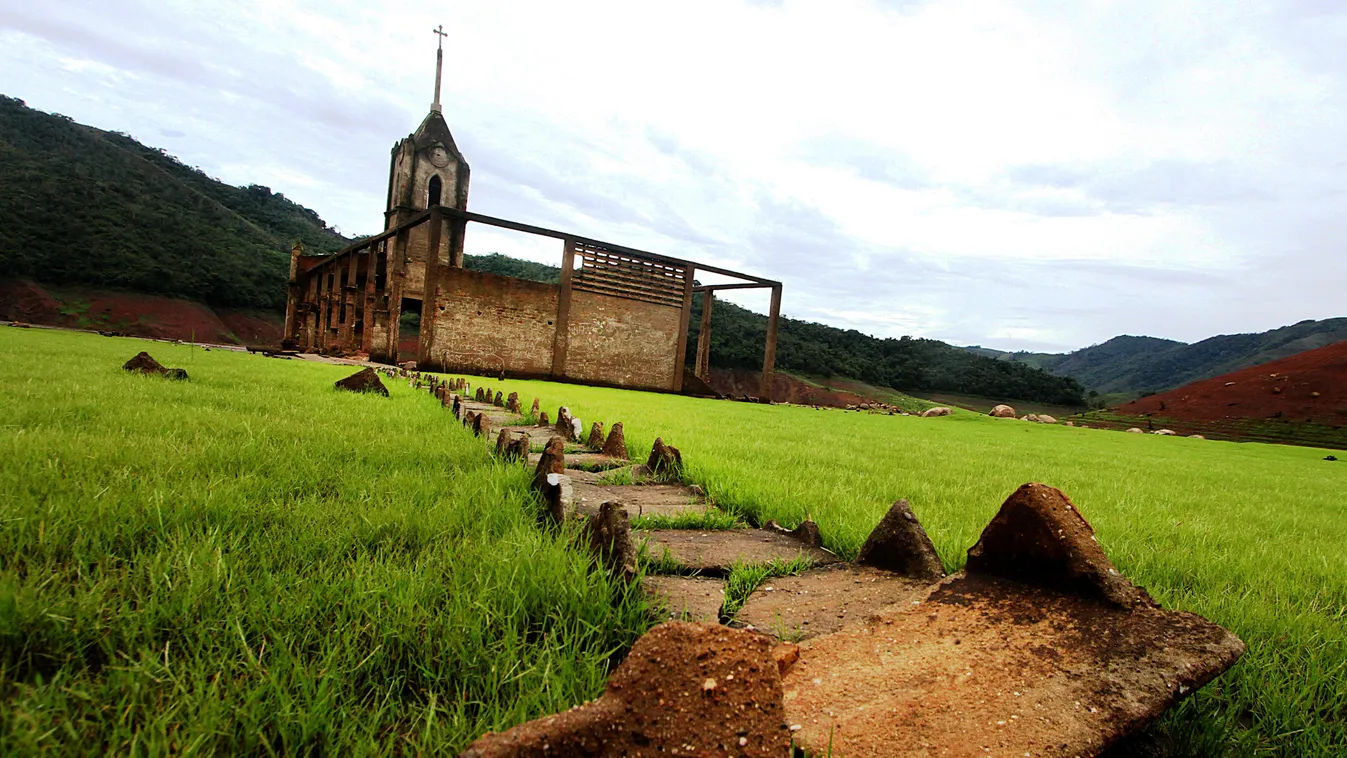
486	322
617	341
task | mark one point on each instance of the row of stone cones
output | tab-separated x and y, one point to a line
1039	646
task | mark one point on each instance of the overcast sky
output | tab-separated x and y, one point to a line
1021	175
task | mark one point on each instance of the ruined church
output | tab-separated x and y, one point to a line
618	317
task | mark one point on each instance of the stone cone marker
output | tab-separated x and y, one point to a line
899	545
616	444
550	477
595	441
610	540
665	461
512	402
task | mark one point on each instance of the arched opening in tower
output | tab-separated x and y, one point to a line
433	198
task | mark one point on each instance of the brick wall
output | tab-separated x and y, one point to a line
483	320
624	342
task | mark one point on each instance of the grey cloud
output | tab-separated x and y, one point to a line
867	161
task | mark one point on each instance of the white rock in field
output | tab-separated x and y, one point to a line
940	411
1164	432
1135	430
1044	418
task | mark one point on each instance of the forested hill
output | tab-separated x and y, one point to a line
79	205
738	336
1131	365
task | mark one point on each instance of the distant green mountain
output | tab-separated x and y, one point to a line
79	205
1129	365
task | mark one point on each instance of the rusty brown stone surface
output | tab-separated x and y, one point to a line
512	402
1040	537
610	541
717	551
542	419
616	444
665	461
898	544
499	400
699	690
533	410
825	600
364	380
595	440
518	449
988	666
502	442
686	598
481	425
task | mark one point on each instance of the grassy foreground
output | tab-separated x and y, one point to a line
251	562
1251	536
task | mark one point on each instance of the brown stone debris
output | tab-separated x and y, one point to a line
512	402
533	411
807	532
518	449
364	380
542	419
499	400
685	689
502	442
481	425
1039	537
595	441
609	535
142	363
564	422
616	444
899	544
665	461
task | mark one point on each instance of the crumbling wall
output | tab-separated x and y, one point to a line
624	342
485	323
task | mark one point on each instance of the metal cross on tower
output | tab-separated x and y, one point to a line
439	65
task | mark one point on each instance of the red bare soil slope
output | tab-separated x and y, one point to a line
1306	387
133	314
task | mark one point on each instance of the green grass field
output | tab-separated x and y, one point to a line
252	562
1251	536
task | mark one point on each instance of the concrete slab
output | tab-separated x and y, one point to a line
638	500
686	598
825	600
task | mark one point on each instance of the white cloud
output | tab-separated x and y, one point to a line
1013	174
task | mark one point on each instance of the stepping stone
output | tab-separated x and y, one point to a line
997	668
824	600
718	551
638	500
1039	647
686	598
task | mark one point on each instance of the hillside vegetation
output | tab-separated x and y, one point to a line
1129	366
79	205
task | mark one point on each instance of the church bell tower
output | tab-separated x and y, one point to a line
426	167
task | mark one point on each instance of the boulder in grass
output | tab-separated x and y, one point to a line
364	380
1135	430
940	411
1002	411
143	363
1044	418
